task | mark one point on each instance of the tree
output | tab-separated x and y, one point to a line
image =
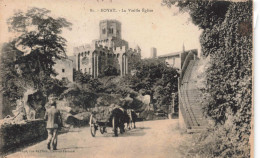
204	14
12	84
154	78
39	38
110	71
87	82
227	40
27	60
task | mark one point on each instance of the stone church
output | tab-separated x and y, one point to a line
109	52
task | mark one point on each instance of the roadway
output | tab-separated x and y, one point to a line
151	139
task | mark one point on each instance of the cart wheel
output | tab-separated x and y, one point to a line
93	127
114	126
102	130
93	130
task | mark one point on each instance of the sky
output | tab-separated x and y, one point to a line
161	28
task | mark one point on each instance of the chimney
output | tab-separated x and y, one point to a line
153	52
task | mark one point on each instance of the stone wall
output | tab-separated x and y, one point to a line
64	68
15	135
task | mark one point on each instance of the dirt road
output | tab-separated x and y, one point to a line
151	139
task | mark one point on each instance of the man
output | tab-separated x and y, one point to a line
54	123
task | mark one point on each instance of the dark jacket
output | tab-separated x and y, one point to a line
53	118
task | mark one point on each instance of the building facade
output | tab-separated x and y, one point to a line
177	59
64	68
109	51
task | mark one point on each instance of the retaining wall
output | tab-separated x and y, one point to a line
15	135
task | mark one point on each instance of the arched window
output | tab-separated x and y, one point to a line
111	30
104	31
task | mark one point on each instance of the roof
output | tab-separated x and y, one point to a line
175	54
109	20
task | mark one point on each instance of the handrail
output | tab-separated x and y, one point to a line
181	103
185	109
185	102
186	63
184	113
195	119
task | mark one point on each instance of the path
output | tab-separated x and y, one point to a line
151	139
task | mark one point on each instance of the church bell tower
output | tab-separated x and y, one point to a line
109	28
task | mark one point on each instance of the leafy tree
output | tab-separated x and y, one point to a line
227	39
110	71
204	14
39	38
153	77
11	83
27	60
87	82
207	15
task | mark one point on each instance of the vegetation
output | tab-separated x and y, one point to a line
27	63
153	77
227	39
31	55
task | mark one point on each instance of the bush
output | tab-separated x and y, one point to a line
111	71
228	98
219	141
227	40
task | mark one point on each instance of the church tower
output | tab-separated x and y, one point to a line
109	29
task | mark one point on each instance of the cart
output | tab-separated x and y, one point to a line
101	125
113	119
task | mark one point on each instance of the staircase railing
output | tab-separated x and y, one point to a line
185	105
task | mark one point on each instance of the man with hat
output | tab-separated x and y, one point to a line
54	123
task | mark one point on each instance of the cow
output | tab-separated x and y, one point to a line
118	118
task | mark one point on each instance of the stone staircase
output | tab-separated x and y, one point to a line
190	100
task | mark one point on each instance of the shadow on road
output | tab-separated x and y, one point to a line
139	131
134	132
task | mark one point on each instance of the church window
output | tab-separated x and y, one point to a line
104	31
63	70
111	30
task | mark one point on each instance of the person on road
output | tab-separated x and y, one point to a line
54	123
